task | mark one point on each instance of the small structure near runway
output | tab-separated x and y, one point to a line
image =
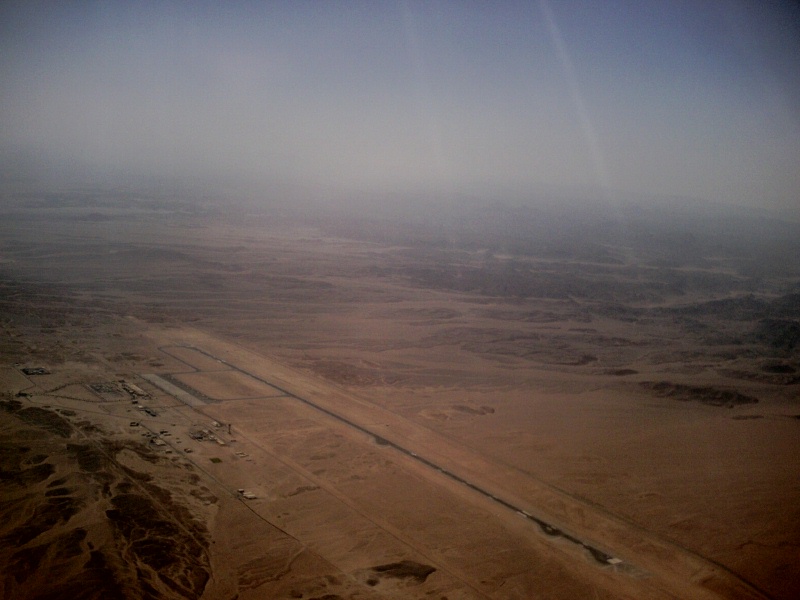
205	435
134	390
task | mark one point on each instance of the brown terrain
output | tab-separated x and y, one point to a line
204	403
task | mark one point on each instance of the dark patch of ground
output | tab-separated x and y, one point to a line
89	458
39	417
695	393
405	569
622	372
301	489
779	334
27	477
46	516
483	410
778	368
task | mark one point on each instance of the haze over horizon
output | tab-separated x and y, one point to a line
391	99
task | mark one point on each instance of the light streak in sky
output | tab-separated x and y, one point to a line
589	131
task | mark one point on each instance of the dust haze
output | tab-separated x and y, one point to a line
399	300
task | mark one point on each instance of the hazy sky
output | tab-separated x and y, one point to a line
698	99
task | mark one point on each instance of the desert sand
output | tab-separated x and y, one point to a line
198	405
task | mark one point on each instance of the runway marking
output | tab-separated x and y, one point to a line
175	391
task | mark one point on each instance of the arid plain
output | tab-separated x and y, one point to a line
499	403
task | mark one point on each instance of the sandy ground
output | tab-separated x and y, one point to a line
397	436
